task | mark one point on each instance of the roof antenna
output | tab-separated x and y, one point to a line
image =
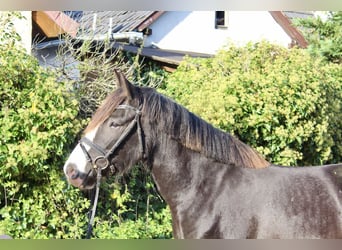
94	22
110	28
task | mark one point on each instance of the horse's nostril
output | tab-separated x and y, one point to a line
73	173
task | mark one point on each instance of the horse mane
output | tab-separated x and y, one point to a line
198	135
185	127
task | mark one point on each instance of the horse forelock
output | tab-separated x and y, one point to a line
198	135
106	109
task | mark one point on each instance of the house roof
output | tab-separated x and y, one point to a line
98	23
283	18
298	14
168	57
55	23
93	23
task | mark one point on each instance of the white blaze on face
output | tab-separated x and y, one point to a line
77	157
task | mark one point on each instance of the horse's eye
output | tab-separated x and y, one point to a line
114	125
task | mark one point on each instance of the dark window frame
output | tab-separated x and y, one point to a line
221	19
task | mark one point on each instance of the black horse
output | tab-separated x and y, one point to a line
215	185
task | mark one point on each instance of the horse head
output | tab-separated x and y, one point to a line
111	139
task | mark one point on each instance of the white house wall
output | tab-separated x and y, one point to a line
24	28
195	30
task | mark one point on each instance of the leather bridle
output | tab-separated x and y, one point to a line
103	160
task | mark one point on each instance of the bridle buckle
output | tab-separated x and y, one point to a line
101	162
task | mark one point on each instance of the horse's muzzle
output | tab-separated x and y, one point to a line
79	179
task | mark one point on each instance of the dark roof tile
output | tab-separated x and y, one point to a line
122	21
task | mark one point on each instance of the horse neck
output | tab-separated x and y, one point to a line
174	168
182	146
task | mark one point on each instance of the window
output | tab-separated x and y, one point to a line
221	19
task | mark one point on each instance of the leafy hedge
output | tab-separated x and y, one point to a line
283	102
324	36
38	124
132	209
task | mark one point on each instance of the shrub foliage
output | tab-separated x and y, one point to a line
283	102
324	36
37	123
40	119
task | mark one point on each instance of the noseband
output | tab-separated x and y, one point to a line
102	161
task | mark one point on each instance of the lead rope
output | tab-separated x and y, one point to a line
136	121
93	211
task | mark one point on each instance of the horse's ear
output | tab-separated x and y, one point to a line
123	83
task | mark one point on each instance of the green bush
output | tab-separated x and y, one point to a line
132	209
45	212
38	124
281	101
324	36
40	120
